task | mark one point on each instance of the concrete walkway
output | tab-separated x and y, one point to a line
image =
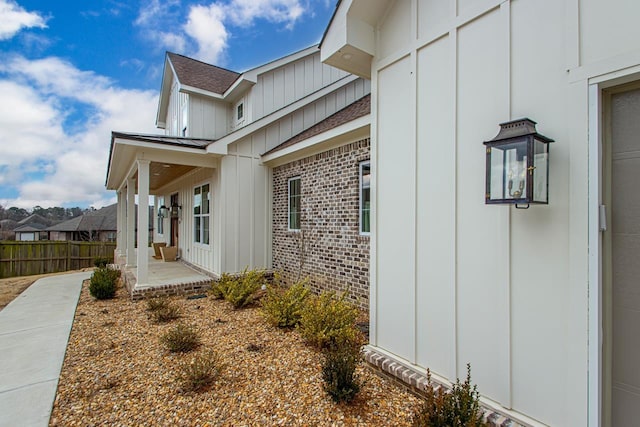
34	331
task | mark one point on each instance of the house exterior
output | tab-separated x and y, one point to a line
211	173
31	228
543	301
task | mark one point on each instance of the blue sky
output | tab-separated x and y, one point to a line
71	72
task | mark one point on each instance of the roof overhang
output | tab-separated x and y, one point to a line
169	159
349	43
346	133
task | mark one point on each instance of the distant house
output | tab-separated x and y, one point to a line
32	228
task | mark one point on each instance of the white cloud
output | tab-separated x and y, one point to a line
13	18
69	165
207	26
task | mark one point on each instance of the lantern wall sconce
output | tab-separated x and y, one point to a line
518	165
175	210
163	211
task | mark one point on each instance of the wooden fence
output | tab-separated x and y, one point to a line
27	258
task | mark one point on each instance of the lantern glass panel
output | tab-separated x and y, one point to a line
508	171
540	172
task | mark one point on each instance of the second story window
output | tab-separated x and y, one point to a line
295	198
240	112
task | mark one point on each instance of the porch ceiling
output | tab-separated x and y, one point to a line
161	174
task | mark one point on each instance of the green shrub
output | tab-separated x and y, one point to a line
162	310
459	407
180	338
101	262
241	290
339	370
220	287
283	308
327	319
201	371
103	283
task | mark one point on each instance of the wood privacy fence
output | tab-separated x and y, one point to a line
27	258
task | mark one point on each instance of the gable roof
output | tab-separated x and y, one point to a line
31	227
34	218
197	74
356	109
104	219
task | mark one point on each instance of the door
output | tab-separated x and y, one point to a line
623	164
175	220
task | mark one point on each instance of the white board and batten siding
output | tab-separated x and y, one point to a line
204	256
459	281
284	85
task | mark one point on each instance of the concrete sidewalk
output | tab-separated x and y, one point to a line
34	331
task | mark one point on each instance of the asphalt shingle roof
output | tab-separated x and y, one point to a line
355	110
192	72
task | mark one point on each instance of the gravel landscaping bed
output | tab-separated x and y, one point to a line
116	372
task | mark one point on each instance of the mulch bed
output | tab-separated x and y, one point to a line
116	372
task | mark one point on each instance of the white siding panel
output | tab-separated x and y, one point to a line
258	143
245	224
395	208
261	215
267	93
230	226
436	210
538	343
289	84
330	104
308	75
607	29
278	89
482	288
432	14
299	80
395	32
273	135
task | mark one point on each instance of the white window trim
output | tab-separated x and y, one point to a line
289	203
361	166
201	215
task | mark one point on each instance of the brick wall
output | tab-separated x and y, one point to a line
335	255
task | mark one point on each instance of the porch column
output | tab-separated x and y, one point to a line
131	224
143	221
120	243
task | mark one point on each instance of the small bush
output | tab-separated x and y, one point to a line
162	310
339	371
103	283
201	371
241	290
283	308
220	287
459	407
327	319
101	262
181	338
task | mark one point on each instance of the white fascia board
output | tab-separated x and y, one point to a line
265	121
191	89
343	134
158	146
163	99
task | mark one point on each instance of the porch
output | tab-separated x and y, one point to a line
164	278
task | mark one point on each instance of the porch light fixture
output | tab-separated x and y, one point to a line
175	210
518	165
163	211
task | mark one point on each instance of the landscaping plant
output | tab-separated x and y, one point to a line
341	359
180	338
241	290
283	307
103	283
459	407
201	371
101	262
220	287
162	310
327	319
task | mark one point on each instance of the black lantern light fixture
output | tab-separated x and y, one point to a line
175	210
163	211
518	165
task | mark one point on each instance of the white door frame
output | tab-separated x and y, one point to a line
596	127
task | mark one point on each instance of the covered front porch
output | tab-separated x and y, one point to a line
164	278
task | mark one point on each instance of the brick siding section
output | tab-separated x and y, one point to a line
336	256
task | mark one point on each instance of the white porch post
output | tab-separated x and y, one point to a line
143	221
119	228
131	225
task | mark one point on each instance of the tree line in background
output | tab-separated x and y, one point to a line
54	214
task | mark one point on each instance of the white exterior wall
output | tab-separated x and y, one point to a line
246	208
455	280
289	83
208	118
